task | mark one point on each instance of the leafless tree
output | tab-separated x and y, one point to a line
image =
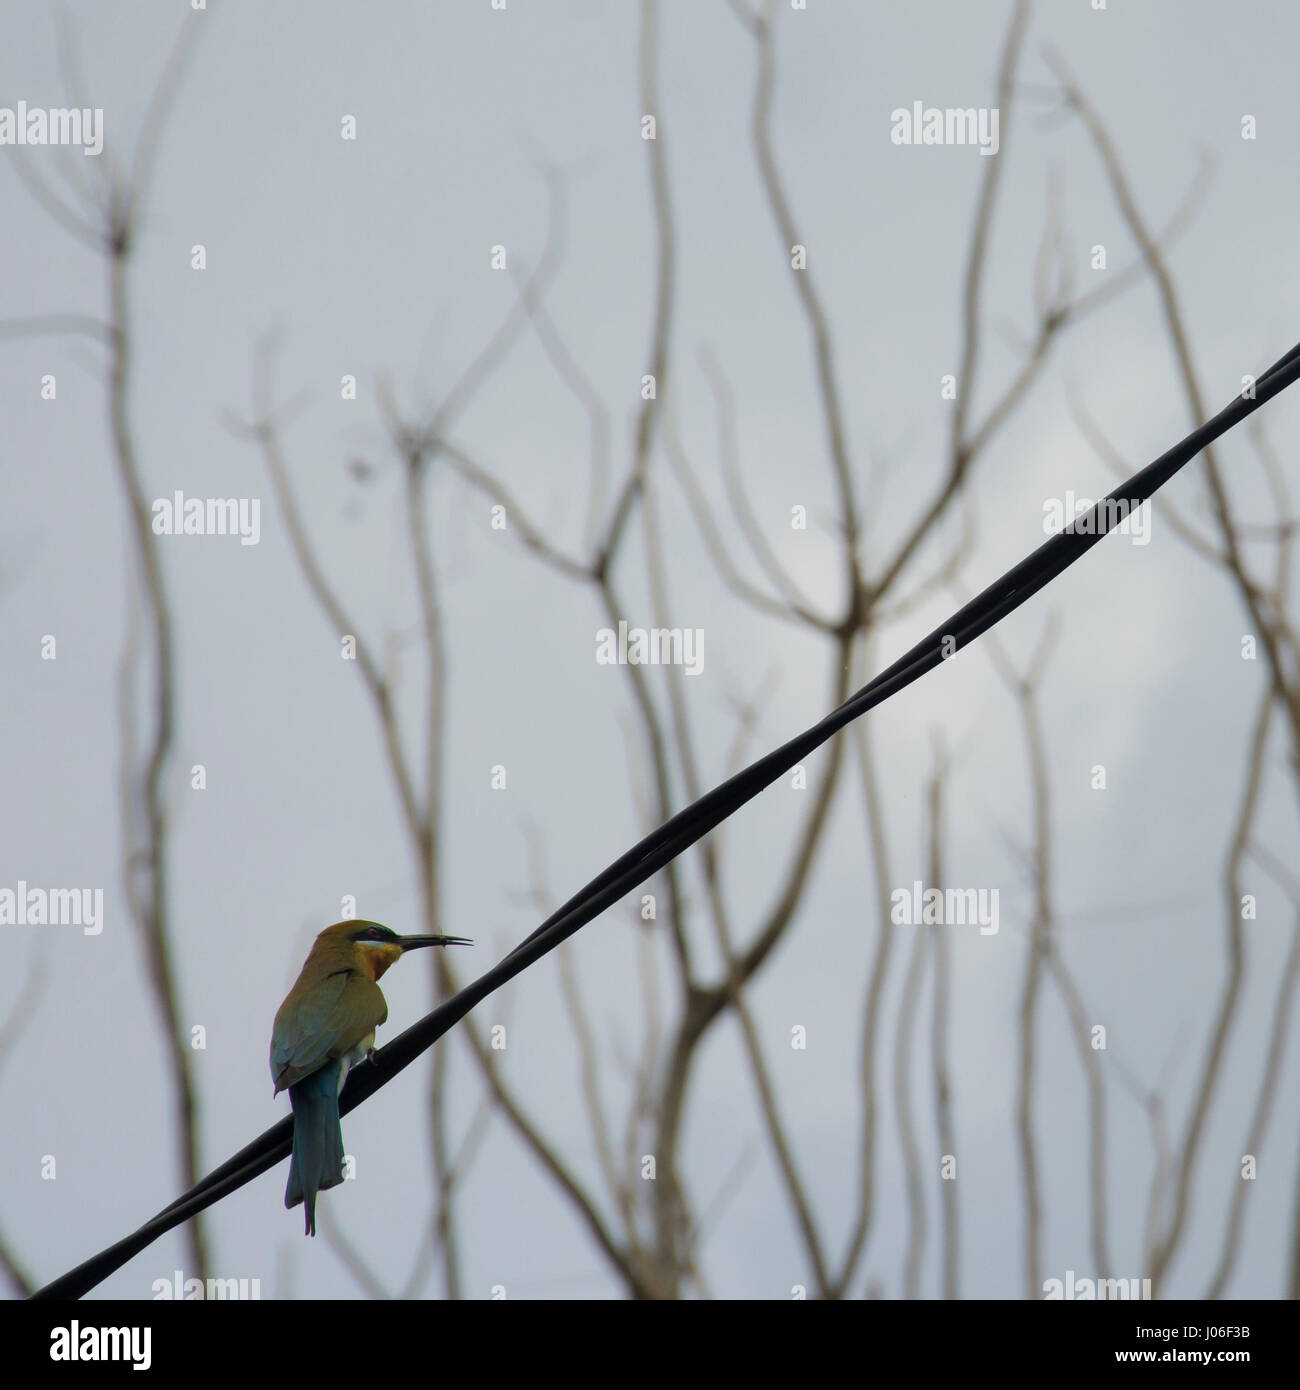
104	211
651	1236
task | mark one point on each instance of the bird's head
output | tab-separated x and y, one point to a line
375	947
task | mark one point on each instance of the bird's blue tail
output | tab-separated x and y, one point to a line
317	1161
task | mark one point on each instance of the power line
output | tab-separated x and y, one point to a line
677	834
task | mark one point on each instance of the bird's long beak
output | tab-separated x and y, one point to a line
412	943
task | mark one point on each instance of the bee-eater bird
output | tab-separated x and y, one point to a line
326	1025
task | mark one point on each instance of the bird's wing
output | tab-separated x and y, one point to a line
323	1023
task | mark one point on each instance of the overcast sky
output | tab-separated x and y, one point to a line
372	257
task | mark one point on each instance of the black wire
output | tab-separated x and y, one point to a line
681	831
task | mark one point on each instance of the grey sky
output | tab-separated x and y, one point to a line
373	258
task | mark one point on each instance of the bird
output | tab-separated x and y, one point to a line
325	1026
